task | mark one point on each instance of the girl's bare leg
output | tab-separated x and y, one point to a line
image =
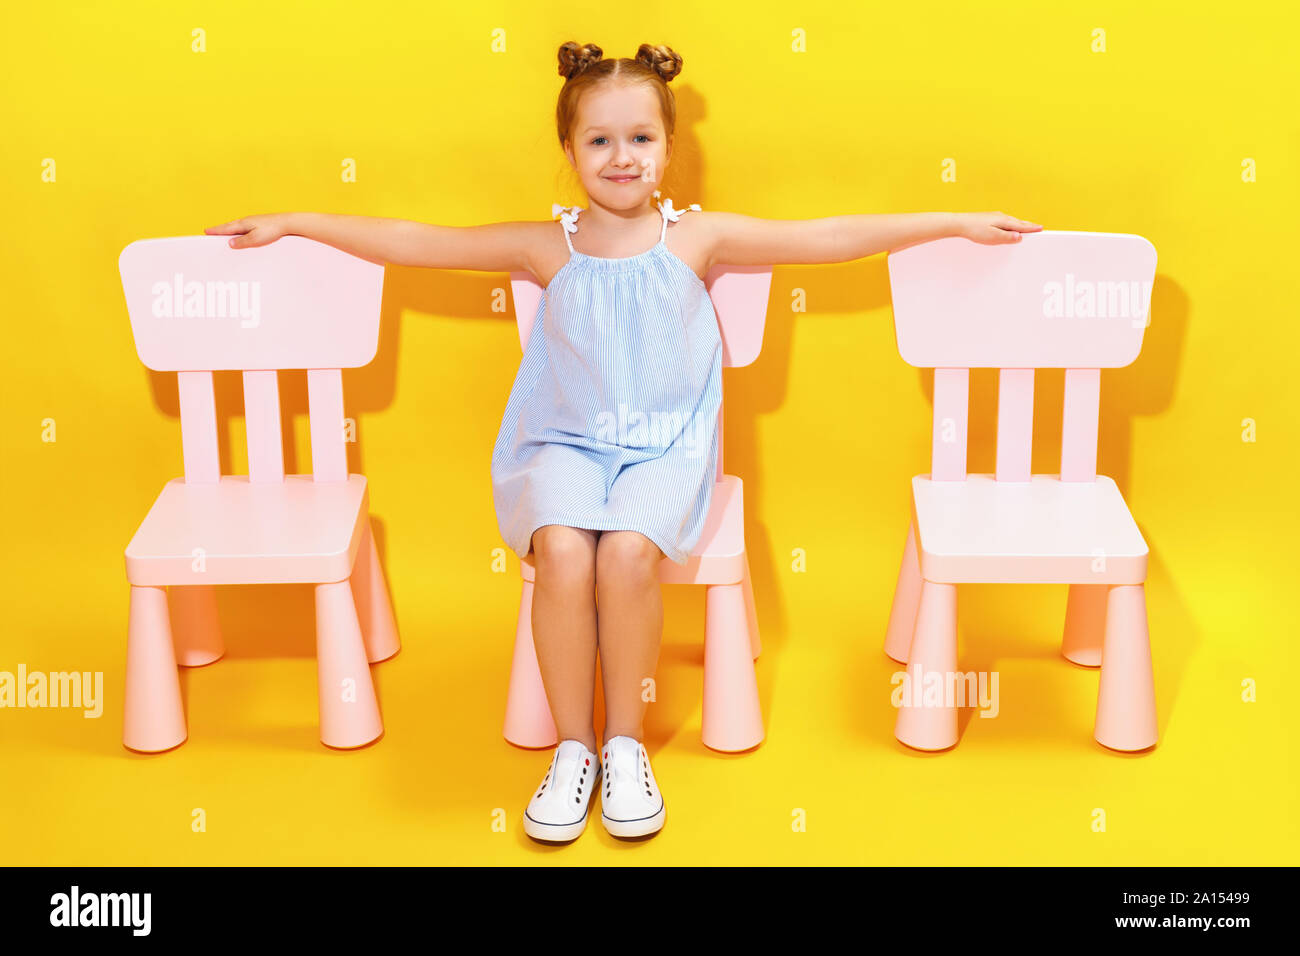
564	626
631	621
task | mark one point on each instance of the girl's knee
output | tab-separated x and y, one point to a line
561	553
627	556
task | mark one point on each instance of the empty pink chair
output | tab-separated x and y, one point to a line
731	718
1077	301
197	306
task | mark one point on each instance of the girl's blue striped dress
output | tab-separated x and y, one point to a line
612	420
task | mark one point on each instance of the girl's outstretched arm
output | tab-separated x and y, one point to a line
748	241
494	247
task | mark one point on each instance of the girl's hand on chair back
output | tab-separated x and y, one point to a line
992	228
253	230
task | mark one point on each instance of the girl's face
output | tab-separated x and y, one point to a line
618	145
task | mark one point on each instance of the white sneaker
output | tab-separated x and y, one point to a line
557	812
631	805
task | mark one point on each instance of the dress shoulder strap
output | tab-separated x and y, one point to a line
568	220
668	212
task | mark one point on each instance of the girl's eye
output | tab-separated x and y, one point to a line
597	140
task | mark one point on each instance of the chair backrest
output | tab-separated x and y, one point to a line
198	306
739	295
1078	301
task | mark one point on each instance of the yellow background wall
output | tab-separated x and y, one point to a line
152	139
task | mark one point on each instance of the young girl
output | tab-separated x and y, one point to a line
626	334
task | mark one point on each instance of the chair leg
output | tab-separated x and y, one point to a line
1085	624
374	609
153	714
907	598
732	720
1126	695
751	612
528	714
931	725
196	627
349	710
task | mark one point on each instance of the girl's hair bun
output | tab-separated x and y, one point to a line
574	58
661	59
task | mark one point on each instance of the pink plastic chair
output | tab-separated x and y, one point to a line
732	720
1072	300
196	306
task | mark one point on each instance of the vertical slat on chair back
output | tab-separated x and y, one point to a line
329	459
719	470
198	409
325	407
739	295
948	448
1079	424
1078	301
197	306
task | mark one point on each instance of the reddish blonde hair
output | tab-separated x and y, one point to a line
583	69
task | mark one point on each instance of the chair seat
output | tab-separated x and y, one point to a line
719	555
1042	531
299	531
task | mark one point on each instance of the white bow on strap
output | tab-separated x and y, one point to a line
666	207
568	216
